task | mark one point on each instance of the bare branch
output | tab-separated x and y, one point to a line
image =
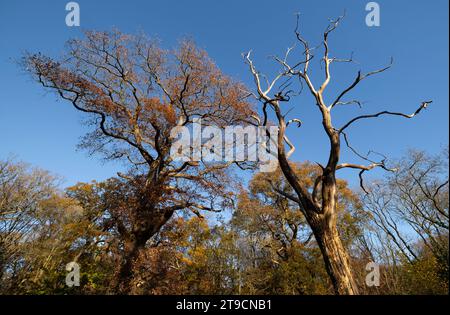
422	106
358	79
357	102
294	120
333	25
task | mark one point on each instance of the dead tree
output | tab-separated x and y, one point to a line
319	204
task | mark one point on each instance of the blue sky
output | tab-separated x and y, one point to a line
38	129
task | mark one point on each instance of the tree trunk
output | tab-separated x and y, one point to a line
124	274
336	260
133	244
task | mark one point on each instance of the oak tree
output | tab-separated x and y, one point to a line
134	93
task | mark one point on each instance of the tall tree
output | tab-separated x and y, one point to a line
320	213
134	93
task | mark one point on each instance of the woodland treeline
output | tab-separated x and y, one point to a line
266	247
165	226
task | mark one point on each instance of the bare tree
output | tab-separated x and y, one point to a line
412	205
319	204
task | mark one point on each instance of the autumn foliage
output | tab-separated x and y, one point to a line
164	226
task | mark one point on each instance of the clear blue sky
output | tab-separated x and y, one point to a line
44	132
